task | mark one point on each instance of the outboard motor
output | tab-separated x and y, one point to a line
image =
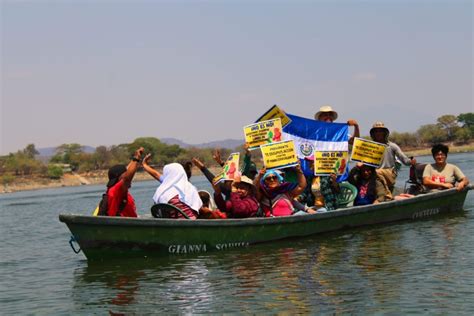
414	184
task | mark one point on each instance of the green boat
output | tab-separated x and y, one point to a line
101	237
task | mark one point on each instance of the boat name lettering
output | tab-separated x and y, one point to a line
187	248
231	245
426	213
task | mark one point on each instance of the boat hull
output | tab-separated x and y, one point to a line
108	237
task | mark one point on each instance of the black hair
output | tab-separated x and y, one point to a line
188	167
439	147
205	198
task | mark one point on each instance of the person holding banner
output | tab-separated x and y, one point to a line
370	186
276	196
388	170
249	168
328	115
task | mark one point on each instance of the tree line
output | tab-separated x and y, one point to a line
448	128
71	157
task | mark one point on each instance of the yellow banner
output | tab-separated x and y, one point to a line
367	152
273	113
327	162
279	155
230	169
262	133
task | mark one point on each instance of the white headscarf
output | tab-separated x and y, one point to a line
175	182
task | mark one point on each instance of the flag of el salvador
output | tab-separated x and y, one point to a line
311	135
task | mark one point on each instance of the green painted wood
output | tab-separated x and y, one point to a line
103	237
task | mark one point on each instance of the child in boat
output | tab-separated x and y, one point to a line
242	202
276	196
370	186
442	175
175	189
208	209
119	200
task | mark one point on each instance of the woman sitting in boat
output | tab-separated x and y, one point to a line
175	189
370	186
119	201
276	196
442	175
242	202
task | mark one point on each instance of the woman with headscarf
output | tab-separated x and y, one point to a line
275	195
118	201
175	189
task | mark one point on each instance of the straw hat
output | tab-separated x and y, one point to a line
326	109
247	180
379	125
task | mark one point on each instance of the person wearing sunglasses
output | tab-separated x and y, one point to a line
275	195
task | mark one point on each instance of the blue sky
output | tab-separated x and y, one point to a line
107	72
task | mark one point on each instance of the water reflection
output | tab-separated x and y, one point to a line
362	269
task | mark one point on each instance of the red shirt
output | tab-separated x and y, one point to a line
115	196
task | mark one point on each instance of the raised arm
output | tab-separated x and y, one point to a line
301	182
356	130
256	182
152	172
132	167
208	174
217	157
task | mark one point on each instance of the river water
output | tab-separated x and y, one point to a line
416	267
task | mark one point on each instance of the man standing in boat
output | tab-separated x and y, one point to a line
328	115
387	170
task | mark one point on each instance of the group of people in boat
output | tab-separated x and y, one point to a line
272	193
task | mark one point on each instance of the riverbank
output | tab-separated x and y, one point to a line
452	150
25	183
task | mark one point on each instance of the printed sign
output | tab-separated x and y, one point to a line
262	133
273	113
231	167
367	152
327	162
279	155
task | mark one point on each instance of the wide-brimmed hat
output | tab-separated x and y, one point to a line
379	125
326	109
247	180
114	174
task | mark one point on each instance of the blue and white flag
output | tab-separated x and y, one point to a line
311	135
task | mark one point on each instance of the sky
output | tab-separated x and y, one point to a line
104	72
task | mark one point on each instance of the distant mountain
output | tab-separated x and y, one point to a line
226	143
